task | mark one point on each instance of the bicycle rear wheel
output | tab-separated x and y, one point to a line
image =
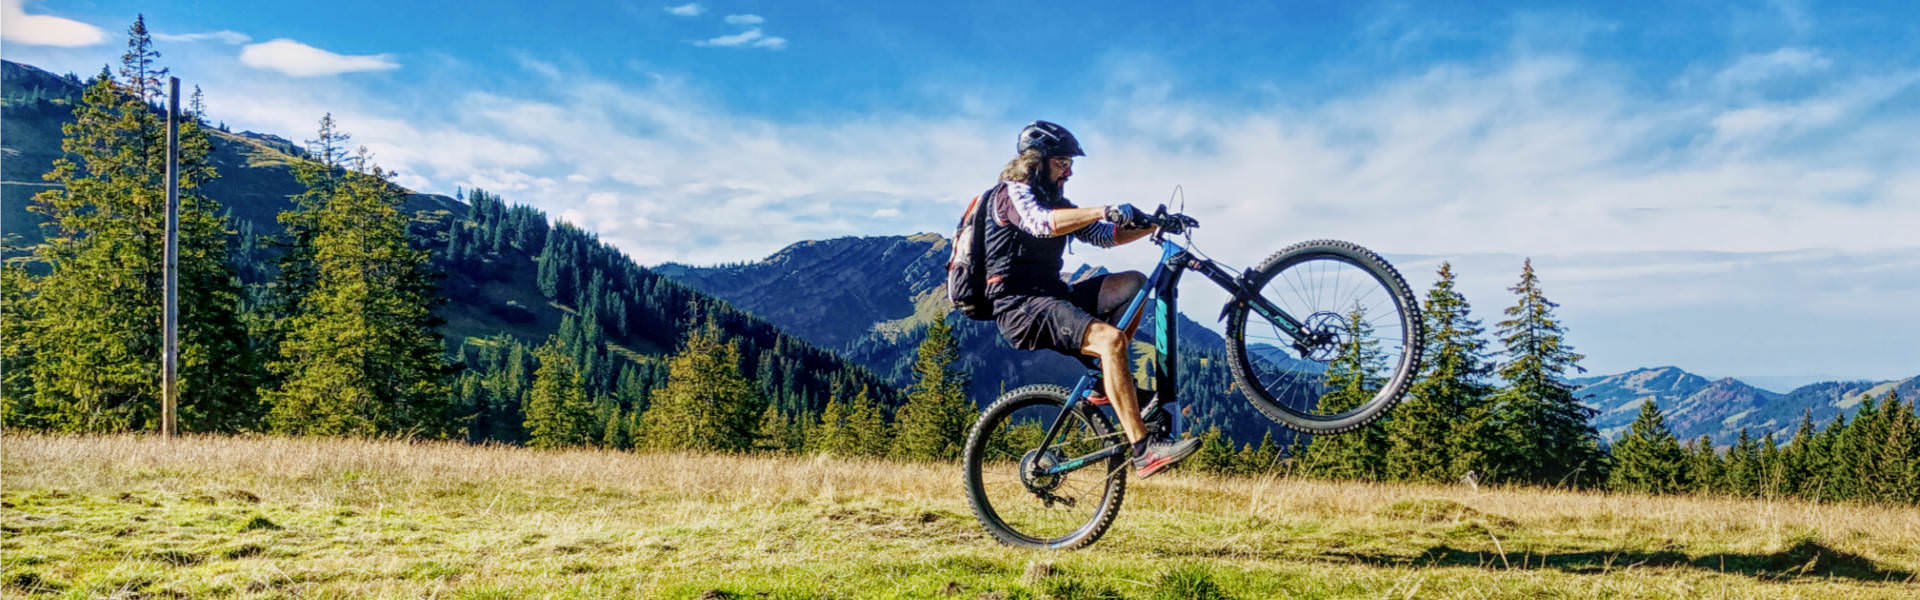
1019	507
1359	344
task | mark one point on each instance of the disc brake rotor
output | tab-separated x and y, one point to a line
1326	332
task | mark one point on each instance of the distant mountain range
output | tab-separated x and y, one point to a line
1696	406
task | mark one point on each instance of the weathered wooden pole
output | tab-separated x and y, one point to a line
170	323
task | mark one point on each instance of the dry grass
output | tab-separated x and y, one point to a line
277	517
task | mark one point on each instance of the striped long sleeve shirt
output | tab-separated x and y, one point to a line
1024	209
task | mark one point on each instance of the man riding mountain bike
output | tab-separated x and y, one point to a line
1034	309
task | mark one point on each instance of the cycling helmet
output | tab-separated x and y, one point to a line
1050	139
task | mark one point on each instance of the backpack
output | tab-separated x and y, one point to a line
967	269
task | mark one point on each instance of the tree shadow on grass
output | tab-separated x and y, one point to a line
1803	559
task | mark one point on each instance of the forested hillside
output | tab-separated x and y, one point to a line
504	279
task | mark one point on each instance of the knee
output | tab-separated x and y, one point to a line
1106	339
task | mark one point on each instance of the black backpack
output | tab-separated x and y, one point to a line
967	269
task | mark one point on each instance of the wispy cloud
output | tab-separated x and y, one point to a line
300	60
16	26
691	9
748	19
223	36
753	38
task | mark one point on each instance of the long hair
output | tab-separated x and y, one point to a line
1029	167
1026	168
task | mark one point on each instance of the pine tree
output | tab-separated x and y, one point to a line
1851	468
95	313
1216	454
1742	477
706	404
1261	459
1889	480
1546	434
1824	460
1705	470
361	355
933	424
140	67
1648	458
866	427
1797	460
771	434
1435	434
558	415
830	435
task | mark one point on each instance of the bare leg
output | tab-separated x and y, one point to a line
1110	346
1116	292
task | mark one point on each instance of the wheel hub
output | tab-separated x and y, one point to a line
1326	332
1032	467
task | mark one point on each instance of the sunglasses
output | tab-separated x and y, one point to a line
1062	163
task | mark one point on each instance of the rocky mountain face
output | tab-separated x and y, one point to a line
1696	406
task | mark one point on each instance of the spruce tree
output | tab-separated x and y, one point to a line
1352	378
1705	470
1743	466
771	434
94	315
830	435
866	427
1889	480
558	414
140	65
361	355
1546	434
1435	434
706	404
933	423
1648	458
1216	454
1797	460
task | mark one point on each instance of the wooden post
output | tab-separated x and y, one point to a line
170	322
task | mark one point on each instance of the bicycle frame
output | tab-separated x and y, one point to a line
1162	287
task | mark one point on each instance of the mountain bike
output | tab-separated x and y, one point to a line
1322	337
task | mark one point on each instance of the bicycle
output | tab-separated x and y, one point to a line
1046	467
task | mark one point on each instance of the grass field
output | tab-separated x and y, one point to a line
137	517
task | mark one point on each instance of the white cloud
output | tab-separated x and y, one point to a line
691	9
18	27
222	36
739	39
300	60
886	213
751	38
744	19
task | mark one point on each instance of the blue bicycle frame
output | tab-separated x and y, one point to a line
1161	286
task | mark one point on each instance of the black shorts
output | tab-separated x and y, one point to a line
1050	322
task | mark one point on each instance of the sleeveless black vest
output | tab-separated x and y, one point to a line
1020	263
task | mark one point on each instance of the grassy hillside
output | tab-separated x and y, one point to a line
270	517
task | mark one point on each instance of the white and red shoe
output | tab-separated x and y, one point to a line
1162	453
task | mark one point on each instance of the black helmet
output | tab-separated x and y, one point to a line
1050	139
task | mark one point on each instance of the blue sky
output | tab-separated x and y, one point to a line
1733	188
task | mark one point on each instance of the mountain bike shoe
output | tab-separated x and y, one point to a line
1160	453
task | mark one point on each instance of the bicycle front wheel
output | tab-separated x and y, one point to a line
1020	506
1349	355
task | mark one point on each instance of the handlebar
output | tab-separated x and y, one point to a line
1172	223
